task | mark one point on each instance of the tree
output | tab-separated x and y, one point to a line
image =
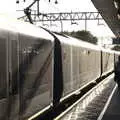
116	47
83	35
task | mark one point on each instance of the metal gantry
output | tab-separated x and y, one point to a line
35	16
62	16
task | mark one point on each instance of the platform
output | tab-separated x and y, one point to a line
111	110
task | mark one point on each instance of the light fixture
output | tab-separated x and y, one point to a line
56	2
17	1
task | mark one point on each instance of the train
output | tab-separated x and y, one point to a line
40	68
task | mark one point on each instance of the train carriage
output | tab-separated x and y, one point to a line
26	70
39	69
81	64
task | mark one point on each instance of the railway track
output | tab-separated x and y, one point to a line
90	105
86	105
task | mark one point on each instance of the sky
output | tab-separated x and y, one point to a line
10	7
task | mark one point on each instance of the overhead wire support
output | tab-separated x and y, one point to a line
34	16
64	16
28	14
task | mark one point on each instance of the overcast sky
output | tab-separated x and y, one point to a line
9	6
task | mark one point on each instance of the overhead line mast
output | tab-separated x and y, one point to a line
27	11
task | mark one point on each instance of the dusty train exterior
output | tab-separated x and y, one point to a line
26	69
107	59
38	68
82	63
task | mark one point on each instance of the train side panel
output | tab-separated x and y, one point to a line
14	102
4	97
67	69
9	93
75	68
35	74
107	62
89	66
26	70
80	65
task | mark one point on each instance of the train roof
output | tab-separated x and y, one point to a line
80	43
13	25
76	42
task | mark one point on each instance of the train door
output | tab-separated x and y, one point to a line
13	104
3	75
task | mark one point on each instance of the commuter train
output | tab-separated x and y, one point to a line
39	68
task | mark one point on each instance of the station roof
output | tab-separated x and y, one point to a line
109	13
